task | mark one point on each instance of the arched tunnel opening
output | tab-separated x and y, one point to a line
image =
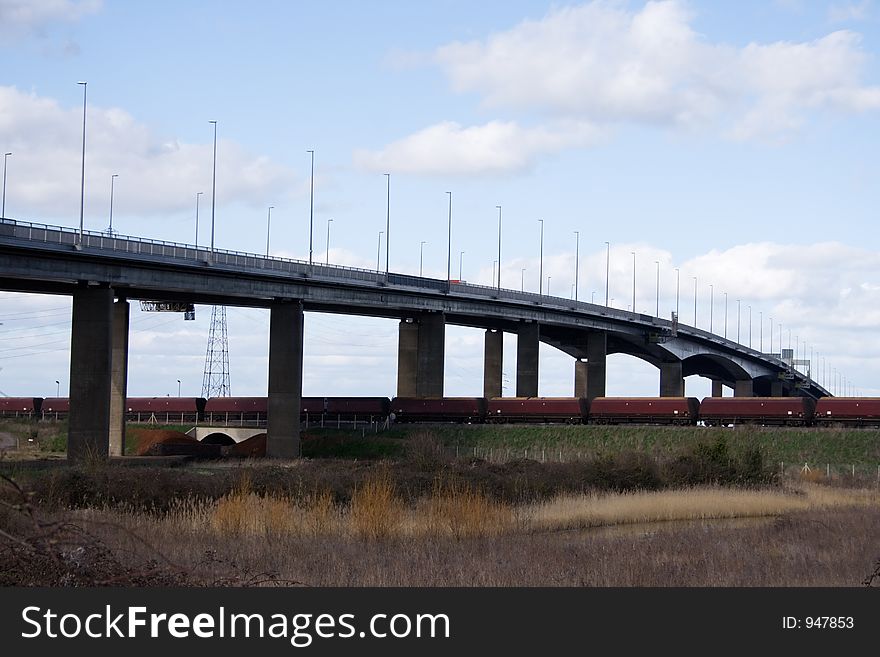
218	438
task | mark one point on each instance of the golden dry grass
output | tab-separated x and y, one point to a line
593	510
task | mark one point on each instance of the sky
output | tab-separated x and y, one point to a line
735	142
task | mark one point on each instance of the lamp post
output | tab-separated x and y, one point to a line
197	216
522	280
657	310
577	253
494	265
499	246
750	326
711	305
737	321
57	388
725	315
213	185
113	178
379	250
421	256
5	158
761	331
634	280
327	260
449	243
387	218
460	258
548	285
178	387
541	260
677	291
312	205
695	302
82	184
607	269
771	335
268	225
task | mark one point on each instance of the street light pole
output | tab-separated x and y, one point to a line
737	321
213	185
327	260
197	216
725	315
548	285
268	224
387	219
711	305
421	256
460	258
577	257
541	260
607	269
3	211
677	291
771	335
634	280
761	331
499	246
178	387
522	280
113	178
312	205
750	327
57	388
657	310
449	244
82	185
379	250
695	302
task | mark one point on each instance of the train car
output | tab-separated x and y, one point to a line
235	410
55	408
765	411
848	412
164	409
361	407
439	409
27	407
644	410
572	410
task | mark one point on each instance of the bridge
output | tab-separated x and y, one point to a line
103	272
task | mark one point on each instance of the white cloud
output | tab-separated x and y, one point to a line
17	16
157	175
496	147
601	62
850	11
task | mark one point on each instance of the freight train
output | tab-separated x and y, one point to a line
712	411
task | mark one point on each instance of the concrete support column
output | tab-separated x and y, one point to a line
589	372
671	380
88	429
407	360
285	379
744	389
776	389
527	341
492	363
431	355
717	388
119	377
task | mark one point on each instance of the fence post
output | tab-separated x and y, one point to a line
781	468
543	456
828	471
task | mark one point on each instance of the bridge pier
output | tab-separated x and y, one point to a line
421	348
589	372
493	358
776	389
671	380
717	388
527	342
119	377
285	379
91	342
744	388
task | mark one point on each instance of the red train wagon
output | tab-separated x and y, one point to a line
167	410
572	410
244	411
438	409
645	410
767	411
27	407
848	412
55	408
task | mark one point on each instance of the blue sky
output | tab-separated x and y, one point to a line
735	141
